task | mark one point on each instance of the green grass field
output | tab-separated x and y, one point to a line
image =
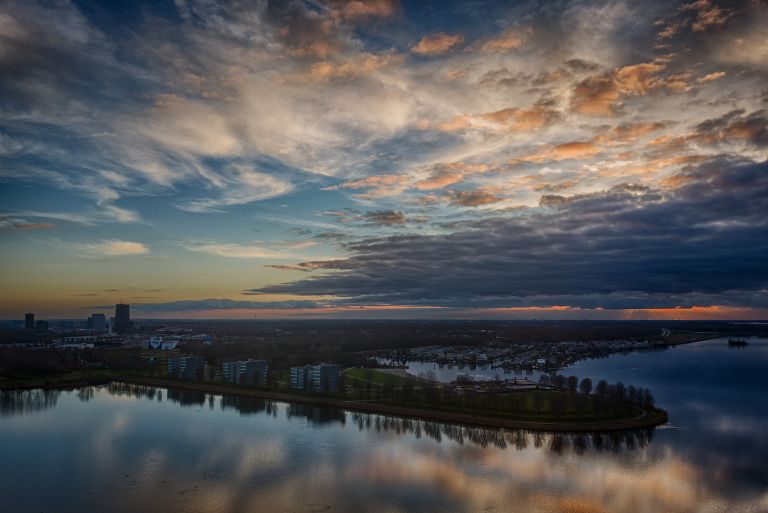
379	378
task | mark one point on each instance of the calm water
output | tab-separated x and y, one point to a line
145	450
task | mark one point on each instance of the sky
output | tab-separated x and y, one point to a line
385	159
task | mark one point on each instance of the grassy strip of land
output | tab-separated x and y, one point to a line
379	377
544	419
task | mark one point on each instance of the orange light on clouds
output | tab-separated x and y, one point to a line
697	313
441	312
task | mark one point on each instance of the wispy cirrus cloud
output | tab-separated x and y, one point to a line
436	44
8	223
115	248
257	251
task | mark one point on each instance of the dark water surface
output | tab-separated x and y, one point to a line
136	449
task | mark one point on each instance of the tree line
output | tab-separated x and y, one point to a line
618	391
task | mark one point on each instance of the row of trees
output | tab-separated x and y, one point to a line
603	390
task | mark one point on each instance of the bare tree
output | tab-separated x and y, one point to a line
585	387
621	391
602	388
632	394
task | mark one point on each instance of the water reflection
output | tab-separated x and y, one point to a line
118	388
18	402
126	448
560	443
24	401
316	415
246	405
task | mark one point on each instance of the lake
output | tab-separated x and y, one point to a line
137	449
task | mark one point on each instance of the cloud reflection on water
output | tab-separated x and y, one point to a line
209	453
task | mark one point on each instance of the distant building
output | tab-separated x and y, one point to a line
325	377
122	323
161	343
29	321
299	377
316	378
66	325
97	322
41	326
16	324
186	367
205	339
246	372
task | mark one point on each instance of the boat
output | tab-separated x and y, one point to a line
737	342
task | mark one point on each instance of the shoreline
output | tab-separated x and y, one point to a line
662	347
649	419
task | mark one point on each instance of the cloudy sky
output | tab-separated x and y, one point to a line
385	158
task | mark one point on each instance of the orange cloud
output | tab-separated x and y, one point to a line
510	119
439	180
708	15
453	75
669	31
627	133
441	175
436	44
475	198
449	174
354	10
595	96
509	40
733	127
551	76
711	76
598	95
620	135
566	151
325	71
380	185
649	168
637	78
373	181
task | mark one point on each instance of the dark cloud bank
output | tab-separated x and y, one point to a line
702	242
222	304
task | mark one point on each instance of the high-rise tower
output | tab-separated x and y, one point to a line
122	318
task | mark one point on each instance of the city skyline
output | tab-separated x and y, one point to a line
384	159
